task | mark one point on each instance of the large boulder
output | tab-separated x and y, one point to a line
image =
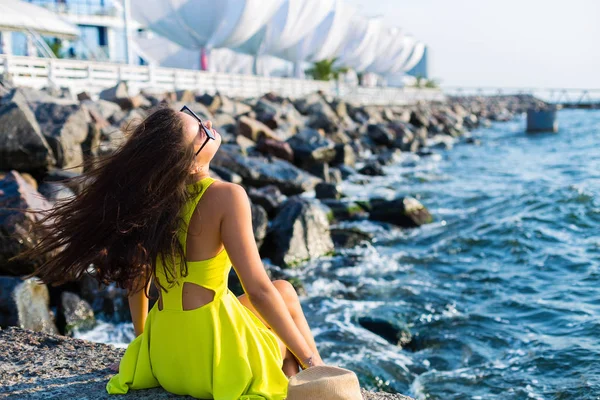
74	314
254	130
276	148
23	147
16	223
388	324
268	197
406	212
25	303
259	223
311	147
65	127
119	94
278	115
299	232
103	108
381	134
260	171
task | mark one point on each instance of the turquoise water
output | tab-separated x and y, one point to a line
501	293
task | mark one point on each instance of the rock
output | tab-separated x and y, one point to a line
372	168
233	108
24	303
223	122
226	174
276	148
347	237
74	314
278	115
418	118
299	232
65	127
119	94
16	225
344	154
335	176
389	157
346	171
406	212
103	108
22	145
404	136
327	191
259	223
381	134
185	96
254	130
310	147
259	171
387	324
342	210
83	96
70	179
268	197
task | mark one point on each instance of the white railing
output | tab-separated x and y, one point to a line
93	77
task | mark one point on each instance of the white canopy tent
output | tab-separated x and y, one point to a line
21	16
415	57
326	39
389	47
196	24
360	47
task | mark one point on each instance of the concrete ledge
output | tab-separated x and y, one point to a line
35	365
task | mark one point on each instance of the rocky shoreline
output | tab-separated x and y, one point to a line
35	365
281	150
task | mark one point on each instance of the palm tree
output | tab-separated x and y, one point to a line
324	70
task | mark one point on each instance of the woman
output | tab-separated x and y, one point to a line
151	212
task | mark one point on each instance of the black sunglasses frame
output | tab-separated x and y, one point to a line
209	134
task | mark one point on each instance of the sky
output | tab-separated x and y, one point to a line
501	43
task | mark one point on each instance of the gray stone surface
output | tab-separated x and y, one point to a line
37	365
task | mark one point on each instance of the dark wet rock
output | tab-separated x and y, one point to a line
65	127
381	134
22	144
327	191
25	303
276	148
389	157
259	223
319	170
418	118
406	212
344	154
347	237
16	226
70	179
372	168
299	232
74	314
387	324
357	114
342	210
346	171
268	197
226	174
335	176
108	302
260	171
278	115
311	147
404	135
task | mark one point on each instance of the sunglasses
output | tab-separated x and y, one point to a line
209	134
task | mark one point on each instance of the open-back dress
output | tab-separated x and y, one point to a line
219	351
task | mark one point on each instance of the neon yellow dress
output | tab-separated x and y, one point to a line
219	351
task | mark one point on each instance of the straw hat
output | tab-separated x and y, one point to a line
324	383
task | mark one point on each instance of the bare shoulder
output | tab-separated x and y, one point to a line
227	194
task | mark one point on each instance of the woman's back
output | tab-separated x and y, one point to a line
213	347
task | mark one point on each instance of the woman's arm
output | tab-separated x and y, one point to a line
138	306
238	238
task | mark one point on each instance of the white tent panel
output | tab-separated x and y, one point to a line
325	41
22	16
390	47
415	57
359	48
204	23
398	63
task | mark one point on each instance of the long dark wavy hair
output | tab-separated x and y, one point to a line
126	215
